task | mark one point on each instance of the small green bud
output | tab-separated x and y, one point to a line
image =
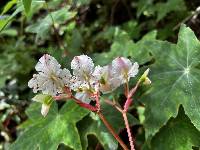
144	79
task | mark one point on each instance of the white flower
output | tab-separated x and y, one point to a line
46	64
82	81
83	89
76	83
82	66
50	78
106	79
124	69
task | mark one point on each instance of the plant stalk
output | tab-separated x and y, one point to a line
128	130
110	128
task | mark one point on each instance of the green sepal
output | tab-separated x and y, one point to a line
43	98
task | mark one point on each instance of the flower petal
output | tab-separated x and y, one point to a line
47	63
134	70
82	66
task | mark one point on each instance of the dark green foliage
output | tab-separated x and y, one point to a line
168	110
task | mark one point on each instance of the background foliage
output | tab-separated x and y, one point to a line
165	115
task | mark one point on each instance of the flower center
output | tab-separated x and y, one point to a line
55	79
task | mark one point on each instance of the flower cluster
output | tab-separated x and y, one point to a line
85	80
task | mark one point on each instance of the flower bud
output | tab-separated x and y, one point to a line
147	81
144	79
45	109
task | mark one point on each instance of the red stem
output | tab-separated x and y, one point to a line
110	128
84	105
128	102
97	110
98	106
128	131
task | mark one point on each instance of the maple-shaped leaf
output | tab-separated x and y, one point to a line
178	134
94	126
57	127
175	81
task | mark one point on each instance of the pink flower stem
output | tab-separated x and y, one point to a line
111	130
128	130
98	106
101	116
128	102
84	105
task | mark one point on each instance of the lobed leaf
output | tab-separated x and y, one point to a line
58	127
178	134
175	81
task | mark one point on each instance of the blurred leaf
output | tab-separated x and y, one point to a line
160	9
58	127
2	81
81	2
163	9
8	6
142	6
42	27
9	32
27	5
4	20
93	126
132	28
175	81
127	48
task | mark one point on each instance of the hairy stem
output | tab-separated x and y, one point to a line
128	130
125	110
110	128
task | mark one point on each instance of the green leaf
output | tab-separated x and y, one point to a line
27	5
127	48
9	32
175	81
8	6
160	9
42	27
163	9
178	134
82	2
58	127
93	126
2	81
142	6
4	20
